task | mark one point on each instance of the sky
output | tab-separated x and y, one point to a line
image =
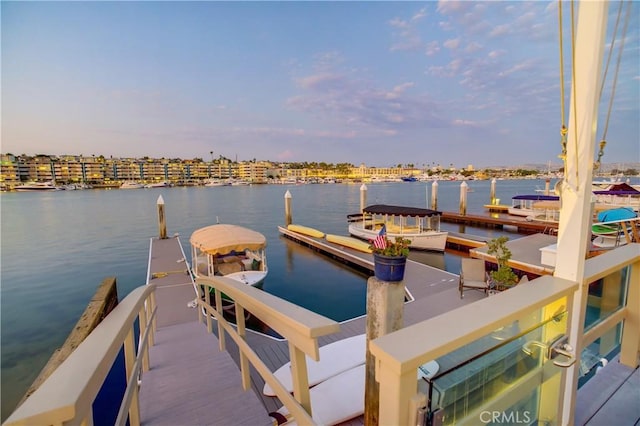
380	83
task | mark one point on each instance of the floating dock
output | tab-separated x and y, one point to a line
500	220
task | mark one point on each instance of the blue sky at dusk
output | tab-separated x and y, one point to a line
375	82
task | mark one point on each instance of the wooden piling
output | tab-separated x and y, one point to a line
426	188
385	309
162	222
463	198
492	195
287	208
434	195
363	197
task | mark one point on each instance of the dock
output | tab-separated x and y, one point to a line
500	220
526	254
187	358
190	381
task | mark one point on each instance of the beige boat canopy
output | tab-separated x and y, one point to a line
222	239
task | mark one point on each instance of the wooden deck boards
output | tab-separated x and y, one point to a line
190	382
168	271
183	386
525	253
610	398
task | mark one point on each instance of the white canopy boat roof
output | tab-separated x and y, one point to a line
231	251
223	239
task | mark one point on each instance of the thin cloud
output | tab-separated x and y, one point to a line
452	43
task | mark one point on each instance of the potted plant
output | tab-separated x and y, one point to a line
389	257
503	277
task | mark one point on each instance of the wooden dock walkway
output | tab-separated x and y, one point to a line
500	220
432	292
190	381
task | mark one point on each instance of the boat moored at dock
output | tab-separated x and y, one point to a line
131	184
525	205
418	225
231	251
38	186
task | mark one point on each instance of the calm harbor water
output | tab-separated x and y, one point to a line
57	248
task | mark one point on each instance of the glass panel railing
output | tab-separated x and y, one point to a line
599	353
499	376
606	296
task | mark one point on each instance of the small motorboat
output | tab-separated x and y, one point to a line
37	186
420	226
230	251
131	184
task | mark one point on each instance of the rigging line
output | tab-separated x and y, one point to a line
615	75
563	129
613	42
573	100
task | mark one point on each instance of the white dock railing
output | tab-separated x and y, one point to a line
299	326
399	354
67	396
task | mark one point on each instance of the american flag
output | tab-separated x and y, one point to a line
381	240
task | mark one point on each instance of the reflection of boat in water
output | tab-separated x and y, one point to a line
420	226
231	251
431	258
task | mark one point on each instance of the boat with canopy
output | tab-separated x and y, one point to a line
418	225
230	251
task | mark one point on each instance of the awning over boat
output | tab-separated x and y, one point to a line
546	205
536	197
223	239
619	189
400	211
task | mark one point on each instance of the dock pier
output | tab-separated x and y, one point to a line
499	221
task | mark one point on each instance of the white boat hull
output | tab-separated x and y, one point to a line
608	241
252	278
428	240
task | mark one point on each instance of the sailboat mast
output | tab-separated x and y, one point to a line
576	212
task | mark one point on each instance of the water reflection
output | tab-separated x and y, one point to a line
434	259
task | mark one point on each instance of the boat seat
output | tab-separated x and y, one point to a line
230	268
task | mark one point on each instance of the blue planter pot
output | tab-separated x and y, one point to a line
389	268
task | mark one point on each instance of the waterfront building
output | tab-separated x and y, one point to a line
254	171
9	171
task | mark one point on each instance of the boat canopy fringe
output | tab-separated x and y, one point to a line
223	239
401	211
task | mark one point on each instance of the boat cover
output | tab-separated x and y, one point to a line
536	197
619	189
400	210
622	213
223	239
